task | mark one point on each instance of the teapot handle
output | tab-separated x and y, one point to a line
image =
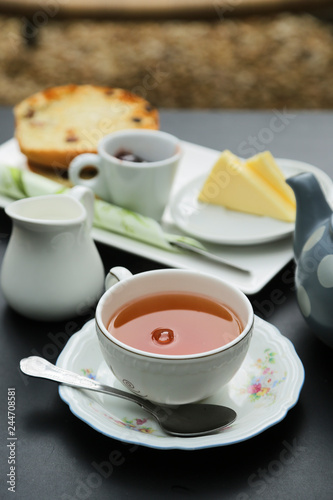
86	197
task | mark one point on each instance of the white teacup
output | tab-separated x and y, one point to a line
172	379
144	186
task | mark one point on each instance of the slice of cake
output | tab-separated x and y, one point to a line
256	187
56	124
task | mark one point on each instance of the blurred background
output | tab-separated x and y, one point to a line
232	54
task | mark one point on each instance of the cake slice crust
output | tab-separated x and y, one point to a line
56	124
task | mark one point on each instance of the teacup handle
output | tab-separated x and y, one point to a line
115	275
85	196
97	182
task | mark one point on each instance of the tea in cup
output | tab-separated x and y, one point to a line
133	169
173	336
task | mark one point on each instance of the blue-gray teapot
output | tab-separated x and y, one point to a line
313	249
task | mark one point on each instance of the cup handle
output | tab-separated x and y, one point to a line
96	183
115	275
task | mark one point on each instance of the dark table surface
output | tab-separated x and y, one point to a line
55	450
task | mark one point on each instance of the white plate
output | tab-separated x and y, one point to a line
264	260
267	385
220	225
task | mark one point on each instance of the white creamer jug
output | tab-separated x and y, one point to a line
52	270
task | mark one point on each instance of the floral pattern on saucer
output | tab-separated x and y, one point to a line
88	372
133	424
264	382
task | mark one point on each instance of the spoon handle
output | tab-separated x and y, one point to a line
210	256
186	420
36	366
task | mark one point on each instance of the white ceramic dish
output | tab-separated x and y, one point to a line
264	260
220	225
267	385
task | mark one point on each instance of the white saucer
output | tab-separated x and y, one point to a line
267	385
220	225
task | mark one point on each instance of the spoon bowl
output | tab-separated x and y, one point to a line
187	420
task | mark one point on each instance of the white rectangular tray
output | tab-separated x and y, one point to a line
264	260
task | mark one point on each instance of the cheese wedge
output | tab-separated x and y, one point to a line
255	187
264	165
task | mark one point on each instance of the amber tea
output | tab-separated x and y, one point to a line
175	323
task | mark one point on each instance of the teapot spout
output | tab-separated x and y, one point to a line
311	208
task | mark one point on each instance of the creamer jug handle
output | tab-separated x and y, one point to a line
115	275
87	198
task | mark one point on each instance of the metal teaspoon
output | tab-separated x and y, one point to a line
184	420
209	256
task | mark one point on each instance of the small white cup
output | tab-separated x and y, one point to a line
171	379
142	187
